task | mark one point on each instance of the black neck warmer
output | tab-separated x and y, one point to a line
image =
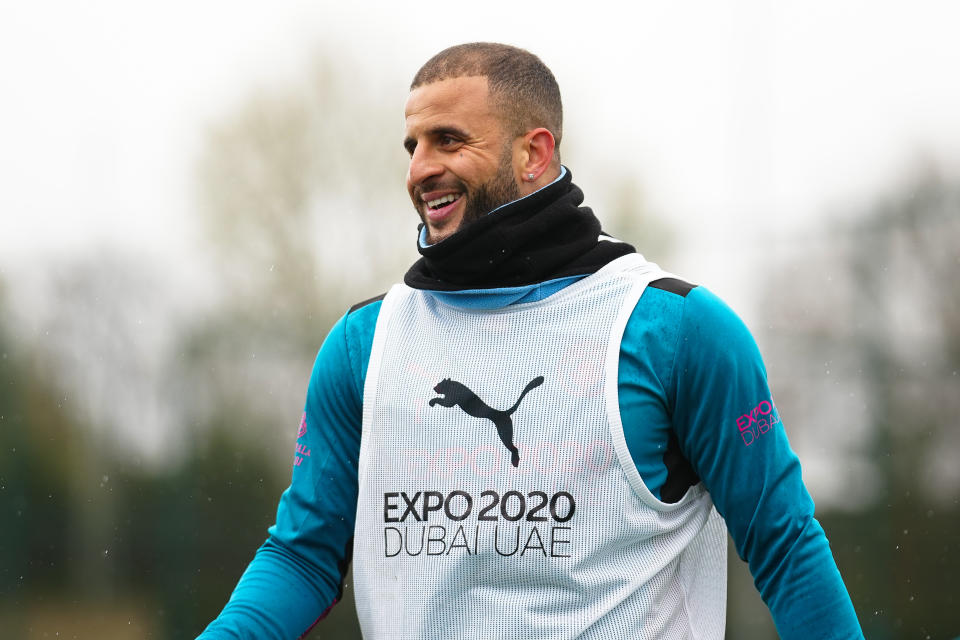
541	237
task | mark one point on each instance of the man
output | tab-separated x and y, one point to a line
539	434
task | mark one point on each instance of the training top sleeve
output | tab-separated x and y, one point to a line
296	575
729	428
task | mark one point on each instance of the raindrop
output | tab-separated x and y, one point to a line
106	552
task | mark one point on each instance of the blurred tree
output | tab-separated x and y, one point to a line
188	532
100	545
49	535
302	209
868	319
298	192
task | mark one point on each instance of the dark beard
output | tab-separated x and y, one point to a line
497	192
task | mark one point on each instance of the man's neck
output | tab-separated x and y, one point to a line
542	237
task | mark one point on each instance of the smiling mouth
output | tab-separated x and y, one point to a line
438	210
440	203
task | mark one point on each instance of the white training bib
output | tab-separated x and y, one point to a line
497	498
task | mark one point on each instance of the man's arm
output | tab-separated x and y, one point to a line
729	429
296	576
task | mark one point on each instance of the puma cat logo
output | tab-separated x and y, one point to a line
453	393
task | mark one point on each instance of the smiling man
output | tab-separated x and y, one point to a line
539	434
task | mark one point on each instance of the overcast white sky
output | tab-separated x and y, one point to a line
738	119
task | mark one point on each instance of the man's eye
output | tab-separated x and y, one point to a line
446	141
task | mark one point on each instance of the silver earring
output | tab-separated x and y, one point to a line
529	176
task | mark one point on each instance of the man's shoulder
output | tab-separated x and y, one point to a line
680	304
701	318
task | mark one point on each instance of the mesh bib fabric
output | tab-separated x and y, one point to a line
497	495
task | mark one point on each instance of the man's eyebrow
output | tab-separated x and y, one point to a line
448	130
410	143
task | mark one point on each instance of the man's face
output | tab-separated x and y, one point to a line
461	160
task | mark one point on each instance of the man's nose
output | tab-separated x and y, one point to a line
423	165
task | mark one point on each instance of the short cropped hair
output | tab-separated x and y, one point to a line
523	88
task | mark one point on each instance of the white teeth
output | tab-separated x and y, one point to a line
433	204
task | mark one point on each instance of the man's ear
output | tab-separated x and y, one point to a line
535	158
